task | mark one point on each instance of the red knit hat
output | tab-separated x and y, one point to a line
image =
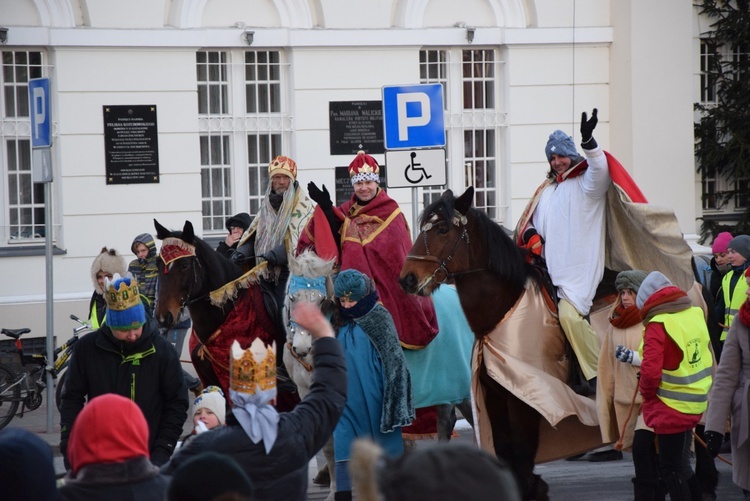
364	168
720	242
109	429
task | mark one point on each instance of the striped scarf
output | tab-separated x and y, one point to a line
272	225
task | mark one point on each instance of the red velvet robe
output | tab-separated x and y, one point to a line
375	240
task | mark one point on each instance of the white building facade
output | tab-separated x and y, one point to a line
237	82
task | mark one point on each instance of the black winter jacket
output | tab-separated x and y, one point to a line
282	474
148	372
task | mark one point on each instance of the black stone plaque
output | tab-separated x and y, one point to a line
356	125
131	146
344	188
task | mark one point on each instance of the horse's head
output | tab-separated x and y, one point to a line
441	251
188	270
309	280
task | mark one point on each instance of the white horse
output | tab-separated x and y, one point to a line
440	373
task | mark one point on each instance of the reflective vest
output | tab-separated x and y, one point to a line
685	389
733	299
94	319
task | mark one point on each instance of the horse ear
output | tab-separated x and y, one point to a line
464	202
447	194
188	234
161	231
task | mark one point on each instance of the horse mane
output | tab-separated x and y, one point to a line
309	265
505	258
222	270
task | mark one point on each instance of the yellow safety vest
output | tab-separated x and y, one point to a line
685	389
733	299
94	320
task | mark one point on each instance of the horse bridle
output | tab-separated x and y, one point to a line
441	274
186	300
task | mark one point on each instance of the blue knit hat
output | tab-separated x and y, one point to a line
352	285
125	310
561	144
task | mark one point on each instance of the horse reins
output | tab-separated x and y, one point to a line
441	273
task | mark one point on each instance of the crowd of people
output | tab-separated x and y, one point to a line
658	372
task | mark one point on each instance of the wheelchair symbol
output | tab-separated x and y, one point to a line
415	167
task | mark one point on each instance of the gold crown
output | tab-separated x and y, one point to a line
124	296
253	368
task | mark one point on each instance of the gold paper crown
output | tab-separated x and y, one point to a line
253	368
124	296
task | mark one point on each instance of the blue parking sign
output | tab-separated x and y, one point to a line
413	116
39	113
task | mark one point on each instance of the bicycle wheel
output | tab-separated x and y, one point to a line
10	395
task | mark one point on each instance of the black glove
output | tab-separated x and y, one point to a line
587	128
160	456
713	442
322	198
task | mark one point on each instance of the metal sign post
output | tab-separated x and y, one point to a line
41	172
413	126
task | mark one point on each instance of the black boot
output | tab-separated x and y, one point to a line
677	487
343	496
645	490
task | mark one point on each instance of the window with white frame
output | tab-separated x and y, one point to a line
474	116
433	68
23	213
708	75
243	126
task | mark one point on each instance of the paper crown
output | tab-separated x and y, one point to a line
364	168
125	310
253	369
283	165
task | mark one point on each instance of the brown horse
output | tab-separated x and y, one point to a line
190	274
462	245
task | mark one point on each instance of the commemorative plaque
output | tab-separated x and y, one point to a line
354	126
131	146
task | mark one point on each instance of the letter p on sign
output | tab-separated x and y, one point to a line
413	116
39	114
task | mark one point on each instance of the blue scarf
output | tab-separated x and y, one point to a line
258	418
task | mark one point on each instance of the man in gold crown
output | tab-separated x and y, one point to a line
127	356
273	448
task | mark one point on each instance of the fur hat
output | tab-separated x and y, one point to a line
125	310
654	282
719	244
352	285
741	245
559	143
241	220
445	471
630	279
364	168
212	398
110	263
209	475
283	165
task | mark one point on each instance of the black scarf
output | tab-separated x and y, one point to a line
360	309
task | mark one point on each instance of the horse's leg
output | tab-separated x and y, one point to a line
446	421
525	442
515	434
331	462
465	408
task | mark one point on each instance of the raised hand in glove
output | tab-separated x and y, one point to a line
627	356
322	198
713	442
587	129
533	241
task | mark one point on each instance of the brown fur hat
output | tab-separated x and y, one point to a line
108	261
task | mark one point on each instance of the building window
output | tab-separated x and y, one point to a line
708	72
243	126
479	79
709	184
433	68
23	212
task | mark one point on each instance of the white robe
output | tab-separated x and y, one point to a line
570	217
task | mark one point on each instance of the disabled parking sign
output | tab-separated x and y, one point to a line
413	116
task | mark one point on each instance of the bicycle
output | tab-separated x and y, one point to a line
26	387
